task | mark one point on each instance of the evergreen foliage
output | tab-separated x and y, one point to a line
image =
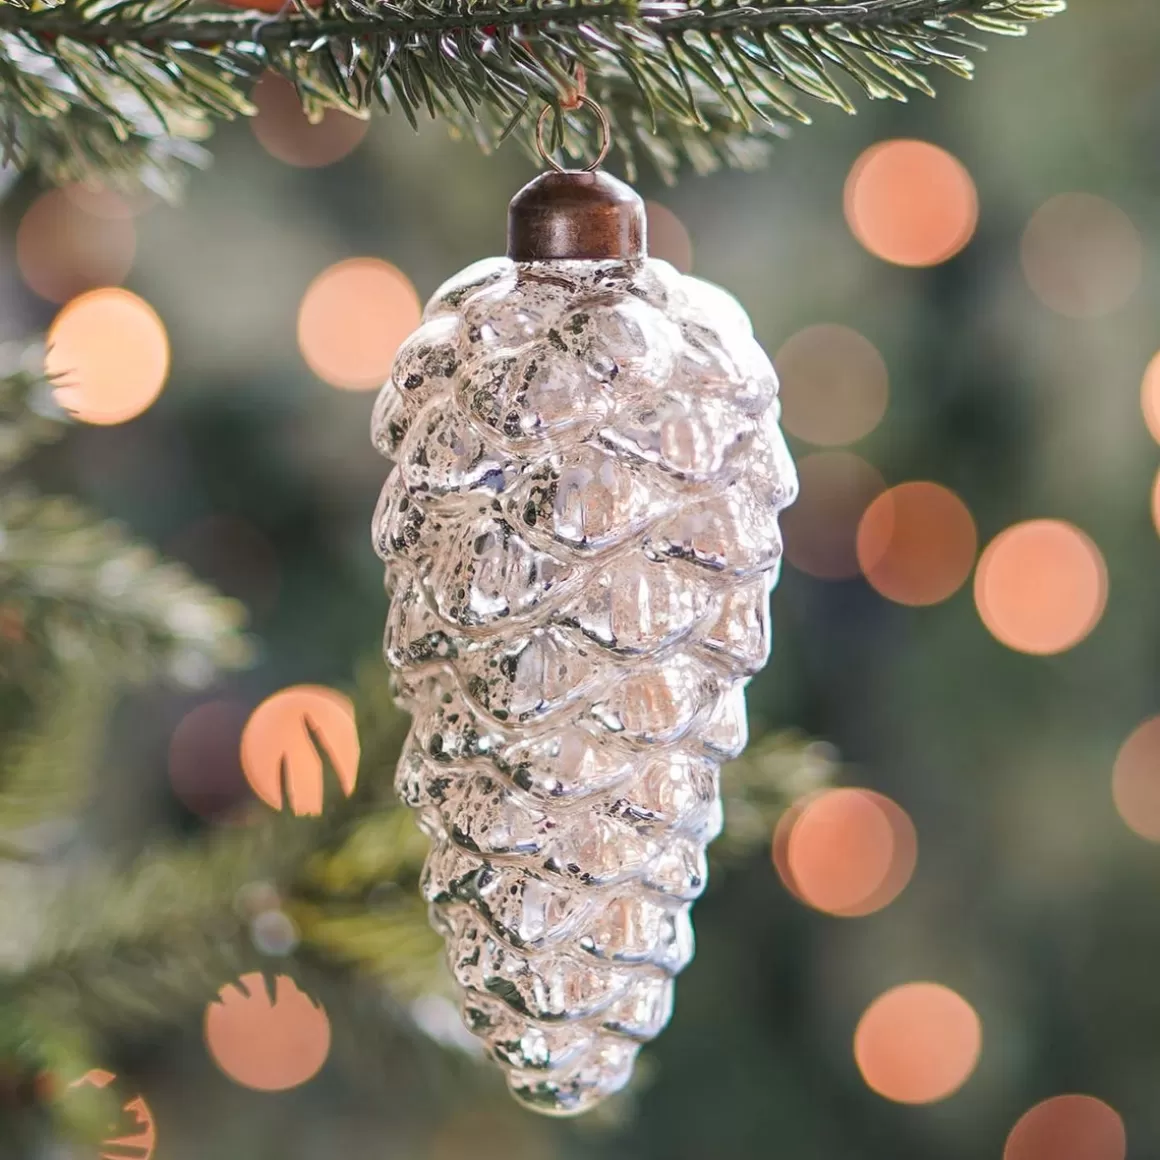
123	91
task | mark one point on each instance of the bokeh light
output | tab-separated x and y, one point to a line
782	833
918	1043
1068	1128
353	318
916	543
911	203
280	757
1150	398
109	353
1041	586
205	769
821	527
273	933
284	131
1082	255
268	1044
834	385
848	852
133	1135
62	250
1136	780
667	237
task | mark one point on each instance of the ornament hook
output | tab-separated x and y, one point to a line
575	101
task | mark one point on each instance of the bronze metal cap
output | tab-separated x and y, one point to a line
576	214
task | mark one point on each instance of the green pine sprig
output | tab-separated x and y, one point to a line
124	91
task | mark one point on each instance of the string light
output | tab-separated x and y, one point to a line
918	1043
267	1043
278	743
353	318
834	385
204	769
62	250
1041	587
285	132
1136	780
1082	256
133	1135
911	203
109	353
1150	398
821	528
848	852
1070	1127
916	543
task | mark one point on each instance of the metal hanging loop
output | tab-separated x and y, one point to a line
580	100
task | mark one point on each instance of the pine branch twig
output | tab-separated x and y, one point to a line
82	586
46	764
124	89
29	415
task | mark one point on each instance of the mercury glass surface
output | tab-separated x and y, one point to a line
581	534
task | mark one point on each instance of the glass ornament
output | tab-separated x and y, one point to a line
580	534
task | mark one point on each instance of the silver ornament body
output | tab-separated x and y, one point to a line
581	534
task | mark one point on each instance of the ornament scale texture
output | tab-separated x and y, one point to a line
581	535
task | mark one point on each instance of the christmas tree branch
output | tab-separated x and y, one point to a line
47	763
80	585
128	23
29	415
128	85
83	587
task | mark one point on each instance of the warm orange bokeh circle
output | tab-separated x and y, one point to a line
918	1043
62	250
1083	257
134	1135
1068	1128
1150	398
1136	780
352	319
286	133
108	353
911	203
917	543
278	745
847	852
1041	587
834	385
821	528
270	1044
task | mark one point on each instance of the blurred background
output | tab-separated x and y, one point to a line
953	952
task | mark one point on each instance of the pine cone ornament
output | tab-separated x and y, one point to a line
580	534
